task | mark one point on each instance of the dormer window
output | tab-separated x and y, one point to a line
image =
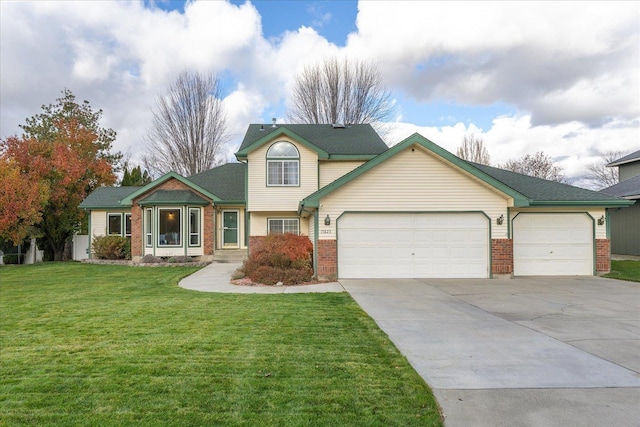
283	165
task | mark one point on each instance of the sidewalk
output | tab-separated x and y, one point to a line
216	277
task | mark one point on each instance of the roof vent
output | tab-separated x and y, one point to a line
338	126
274	122
261	128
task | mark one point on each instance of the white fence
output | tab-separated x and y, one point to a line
80	247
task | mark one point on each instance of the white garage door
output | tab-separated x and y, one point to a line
552	244
410	245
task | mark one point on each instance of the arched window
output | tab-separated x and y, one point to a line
283	164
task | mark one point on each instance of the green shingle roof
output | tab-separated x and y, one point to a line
174	197
107	197
542	191
350	140
226	181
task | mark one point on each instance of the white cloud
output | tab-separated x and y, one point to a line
571	70
571	145
546	58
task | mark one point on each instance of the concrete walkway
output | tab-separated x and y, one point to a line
523	352
216	278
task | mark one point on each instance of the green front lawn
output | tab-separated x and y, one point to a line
106	345
625	270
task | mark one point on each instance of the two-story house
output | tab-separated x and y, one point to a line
625	223
412	210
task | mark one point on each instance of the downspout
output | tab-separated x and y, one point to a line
315	240
89	233
185	230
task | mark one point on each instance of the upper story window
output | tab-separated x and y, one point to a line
283	165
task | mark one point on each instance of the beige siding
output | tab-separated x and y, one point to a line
263	198
595	213
98	223
332	170
259	222
414	181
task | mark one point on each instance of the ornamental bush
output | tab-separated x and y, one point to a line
111	247
285	258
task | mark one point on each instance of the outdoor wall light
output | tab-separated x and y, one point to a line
327	220
601	220
500	220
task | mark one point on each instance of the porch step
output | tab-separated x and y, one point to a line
230	255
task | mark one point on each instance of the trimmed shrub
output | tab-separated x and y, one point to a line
111	247
13	258
150	259
238	274
180	259
285	258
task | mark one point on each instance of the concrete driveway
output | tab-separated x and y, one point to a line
522	352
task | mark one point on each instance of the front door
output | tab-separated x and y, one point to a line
230	228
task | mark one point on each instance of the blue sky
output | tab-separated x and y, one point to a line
558	77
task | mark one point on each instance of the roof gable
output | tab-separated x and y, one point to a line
348	142
166	177
313	200
173	197
525	190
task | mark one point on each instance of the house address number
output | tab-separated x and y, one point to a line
325	231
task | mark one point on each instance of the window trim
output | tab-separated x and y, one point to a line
127	222
180	228
283	219
148	224
198	232
281	160
118	215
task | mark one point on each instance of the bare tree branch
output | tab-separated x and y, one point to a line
339	92
600	175
473	150
539	165
189	128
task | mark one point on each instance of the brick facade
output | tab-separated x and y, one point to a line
137	249
327	258
603	256
136	231
254	241
501	256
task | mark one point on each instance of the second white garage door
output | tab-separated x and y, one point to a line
550	244
413	245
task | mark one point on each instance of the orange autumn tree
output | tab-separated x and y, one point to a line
21	202
67	154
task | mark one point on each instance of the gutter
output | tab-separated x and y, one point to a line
315	237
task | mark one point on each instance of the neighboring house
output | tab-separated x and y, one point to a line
413	210
625	223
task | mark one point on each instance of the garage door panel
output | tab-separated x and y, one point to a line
553	244
407	245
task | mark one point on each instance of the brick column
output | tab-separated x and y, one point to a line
136	231
502	256
254	242
603	256
327	259
208	233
